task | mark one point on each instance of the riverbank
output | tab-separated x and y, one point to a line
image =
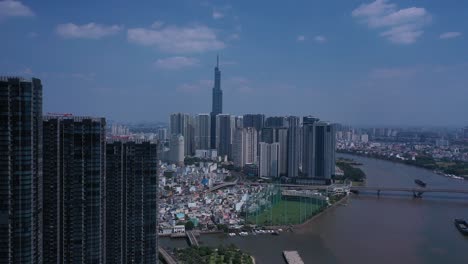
307	222
426	163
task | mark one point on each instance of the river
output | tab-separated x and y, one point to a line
392	228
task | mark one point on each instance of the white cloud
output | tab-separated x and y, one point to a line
401	26
450	35
89	31
176	39
11	8
175	63
320	39
217	14
300	38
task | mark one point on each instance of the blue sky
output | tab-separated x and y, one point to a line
381	62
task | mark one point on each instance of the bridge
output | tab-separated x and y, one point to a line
192	239
166	256
223	185
417	192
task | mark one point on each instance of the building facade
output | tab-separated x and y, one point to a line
244	146
254	120
269	160
181	123
293	146
131	202
74	189
176	149
20	170
203	132
319	149
224	134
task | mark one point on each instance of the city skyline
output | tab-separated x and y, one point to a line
327	60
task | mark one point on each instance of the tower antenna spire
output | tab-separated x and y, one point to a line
217	60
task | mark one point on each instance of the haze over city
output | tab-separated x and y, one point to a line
355	62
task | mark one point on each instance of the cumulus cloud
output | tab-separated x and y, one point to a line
450	35
320	39
11	8
300	38
88	31
401	26
175	63
175	39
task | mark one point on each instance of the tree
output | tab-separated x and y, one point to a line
189	225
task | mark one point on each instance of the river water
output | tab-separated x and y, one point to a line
392	228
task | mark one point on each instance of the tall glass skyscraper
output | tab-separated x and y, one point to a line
293	146
20	170
74	189
217	104
131	202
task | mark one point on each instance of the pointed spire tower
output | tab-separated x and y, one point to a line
217	103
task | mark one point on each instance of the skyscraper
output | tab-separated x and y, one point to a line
269	160
202	131
293	146
176	146
244	146
217	104
74	189
224	134
20	170
276	121
181	123
254	120
319	149
131	202
282	139
308	156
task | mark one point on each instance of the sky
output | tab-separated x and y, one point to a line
359	62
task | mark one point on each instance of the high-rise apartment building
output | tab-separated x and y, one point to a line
282	139
276	121
319	149
293	145
203	132
244	146
20	170
131	202
176	149
254	120
217	104
74	189
181	123
269	160
224	134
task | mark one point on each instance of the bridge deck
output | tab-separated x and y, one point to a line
166	256
192	239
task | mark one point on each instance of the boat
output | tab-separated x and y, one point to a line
420	183
462	226
275	233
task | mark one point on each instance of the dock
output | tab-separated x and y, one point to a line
292	257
